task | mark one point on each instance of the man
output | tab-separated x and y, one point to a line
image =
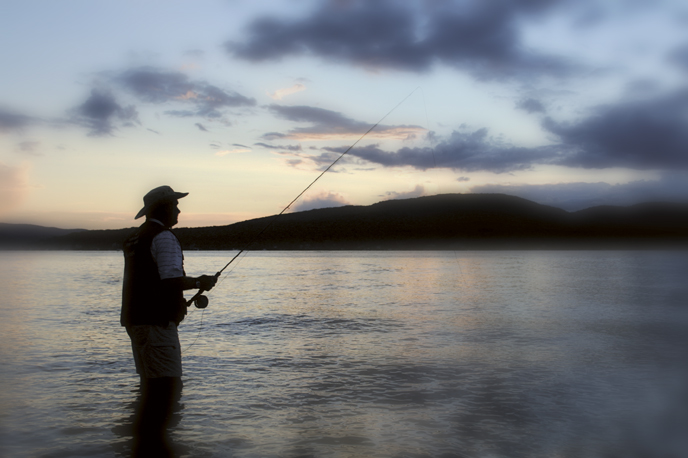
153	305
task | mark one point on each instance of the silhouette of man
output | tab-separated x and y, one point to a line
153	305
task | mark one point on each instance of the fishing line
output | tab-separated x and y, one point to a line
197	298
427	123
319	176
434	163
200	328
274	218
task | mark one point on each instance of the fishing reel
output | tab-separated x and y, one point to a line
201	302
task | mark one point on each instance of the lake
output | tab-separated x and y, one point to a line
362	354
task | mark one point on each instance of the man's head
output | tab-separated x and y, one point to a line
161	203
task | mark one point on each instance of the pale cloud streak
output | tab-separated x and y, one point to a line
324	199
417	191
332	125
279	147
279	94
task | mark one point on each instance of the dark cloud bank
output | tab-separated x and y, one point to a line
649	134
467	151
101	114
643	134
483	39
158	86
476	36
11	120
323	121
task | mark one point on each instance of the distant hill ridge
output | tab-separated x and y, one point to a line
446	221
27	235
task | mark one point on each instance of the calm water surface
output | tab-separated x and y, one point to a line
362	354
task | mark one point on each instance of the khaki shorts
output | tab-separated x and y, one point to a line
156	349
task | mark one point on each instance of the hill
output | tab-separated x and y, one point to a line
21	236
448	221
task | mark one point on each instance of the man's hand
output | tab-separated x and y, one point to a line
206	282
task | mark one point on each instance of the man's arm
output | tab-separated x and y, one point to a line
167	254
204	282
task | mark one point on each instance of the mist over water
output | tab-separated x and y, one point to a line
348	354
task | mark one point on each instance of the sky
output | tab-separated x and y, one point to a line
569	103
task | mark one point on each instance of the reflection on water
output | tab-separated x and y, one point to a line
500	354
155	413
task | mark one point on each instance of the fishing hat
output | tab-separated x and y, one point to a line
159	195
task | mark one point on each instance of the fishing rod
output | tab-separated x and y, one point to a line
201	301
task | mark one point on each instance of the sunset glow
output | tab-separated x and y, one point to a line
242	104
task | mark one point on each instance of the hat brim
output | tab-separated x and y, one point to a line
176	196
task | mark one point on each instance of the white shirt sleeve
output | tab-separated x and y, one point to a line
167	254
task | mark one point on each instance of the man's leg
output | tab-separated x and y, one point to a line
158	358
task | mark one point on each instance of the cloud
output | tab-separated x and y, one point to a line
418	191
239	148
201	127
321	200
29	148
467	151
158	86
321	161
100	112
638	134
327	125
13	187
645	134
279	94
578	196
181	113
531	106
281	147
679	57
480	37
10	120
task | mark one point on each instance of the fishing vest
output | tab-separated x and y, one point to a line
146	299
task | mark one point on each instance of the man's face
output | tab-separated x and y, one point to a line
170	212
